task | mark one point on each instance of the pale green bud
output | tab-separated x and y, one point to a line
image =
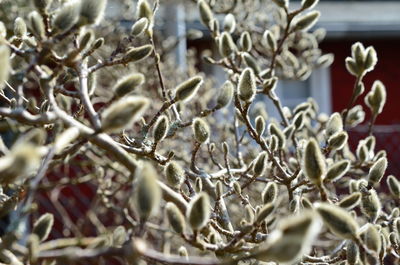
325	60
226	44
66	17
370	59
43	226
308	3
352	67
307	21
97	43
251	62
247	85
138	53
139	26
198	185
338	220
334	125
288	131
201	130
306	203
175	174
260	125
36	25
337	170
270	193
86	40
92	11
3	30
260	164
175	217
394	186
350	201
273	129
352	253
206	14
194	34
229	23
122	113
4	64
338	140
371	205
376	98
147	195
19	27
358	53
245	42
186	90
225	95
127	84
237	188
264	212
377	171
355	116
161	128
198	211
298	120
270	40
372	238
314	162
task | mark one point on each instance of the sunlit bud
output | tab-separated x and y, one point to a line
282	3
175	217
355	116
43	226
214	26
251	62
260	125
245	42
226	45
352	252
247	85
352	67
201	130
127	84
122	113
338	220
186	90
161	128
237	188
306	203
270	193
350	201
182	251
313	162
66	17
86	40
198	211
229	23
337	170
334	125
194	34
394	186
270	40
225	95
307	21
308	3
206	14
298	120
198	185
376	98
370	59
139	26
288	132
147	195
377	171
260	164
362	152
273	129
4	64
36	25
371	205
174	174
19	27
325	60
219	189
138	53
264	212
97	43
338	140
371	238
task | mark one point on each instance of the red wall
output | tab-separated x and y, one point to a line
387	70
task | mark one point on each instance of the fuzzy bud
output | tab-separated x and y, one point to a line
307	21
139	26
175	217
174	174
186	90
372	238
43	226
352	253
260	125
245	42
92	11
337	170
338	140
226	45
371	205
394	186
4	64
229	23
370	59
225	95
201	130
273	129
264	212
377	171
308	3
270	40
86	40
251	62
36	25
338	220
127	84
206	15
350	201
147	195
314	162
219	189
198	211
260	164
334	125
355	116
247	85
66	17
122	113
19	27
376	98
137	54
270	193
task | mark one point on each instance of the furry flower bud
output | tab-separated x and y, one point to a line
270	193
127	84
273	129
139	26
186	90
225	95
352	253
206	15
337	170
377	171
161	128
174	174
138	53
123	113
260	125
371	205
338	140
175	217
201	130
307	21
334	125
260	164
245	42
36	25
92	11
394	186
282	3
226	44
43	226
308	3
313	162
247	85
19	27
350	201
229	23
371	238
376	98
4	64
66	17
198	211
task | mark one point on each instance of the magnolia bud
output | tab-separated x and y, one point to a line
394	186
245	42
288	132
86	40
147	195
338	140
251	62
370	59
175	217
338	220
198	211
237	188
225	95
123	113
372	238
229	23
307	21
127	84
219	189
325	60
161	128
298	120
313	162
97	43
260	125
92	11
270	193
186	90
226	45
66	17
352	253
273	129
43	226
264	212
36	25
174	174
334	125
139	26
351	201
201	130
308	3
260	164
376	98
247	85
206	14
5	64
306	203
19	27
371	205
270	40
282	3
377	171
137	54
337	170
33	248
198	185
355	116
